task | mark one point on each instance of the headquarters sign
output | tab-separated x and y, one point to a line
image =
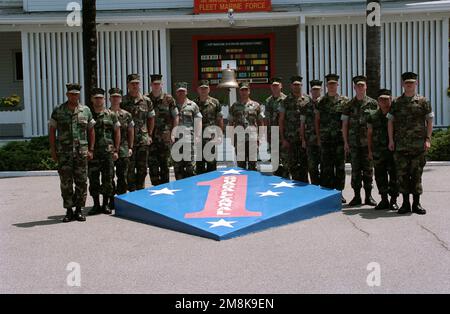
222	6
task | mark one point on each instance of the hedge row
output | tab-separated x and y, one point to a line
26	155
440	146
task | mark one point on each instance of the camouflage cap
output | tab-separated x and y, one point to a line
133	78
115	92
98	92
296	79
73	88
315	84
181	86
156	78
276	80
244	85
409	77
332	78
384	93
203	83
359	79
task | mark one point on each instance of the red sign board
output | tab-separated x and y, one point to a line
252	55
218	6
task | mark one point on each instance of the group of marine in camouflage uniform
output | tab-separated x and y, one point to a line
389	135
317	132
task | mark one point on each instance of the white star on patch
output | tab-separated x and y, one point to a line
221	223
269	193
165	191
232	171
283	184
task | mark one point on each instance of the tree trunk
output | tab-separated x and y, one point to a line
373	47
89	48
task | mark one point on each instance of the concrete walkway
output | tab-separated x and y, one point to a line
329	254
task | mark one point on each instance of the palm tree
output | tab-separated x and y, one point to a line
373	46
89	48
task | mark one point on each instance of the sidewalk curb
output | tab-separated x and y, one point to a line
52	173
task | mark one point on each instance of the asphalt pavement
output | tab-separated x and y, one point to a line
335	253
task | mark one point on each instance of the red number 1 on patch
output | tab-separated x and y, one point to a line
226	198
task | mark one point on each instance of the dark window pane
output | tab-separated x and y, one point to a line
19	67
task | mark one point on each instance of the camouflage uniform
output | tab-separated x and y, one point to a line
356	113
295	158
188	112
383	158
332	173
312	149
106	122
72	150
211	111
141	108
158	159
246	115
271	112
409	137
122	164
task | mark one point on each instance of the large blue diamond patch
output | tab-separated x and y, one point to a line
227	203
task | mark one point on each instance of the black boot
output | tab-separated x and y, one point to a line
69	215
416	207
111	203
384	204
369	199
79	214
356	201
96	209
406	206
393	204
105	209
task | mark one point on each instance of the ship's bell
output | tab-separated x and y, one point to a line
228	78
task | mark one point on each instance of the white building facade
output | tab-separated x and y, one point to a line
312	38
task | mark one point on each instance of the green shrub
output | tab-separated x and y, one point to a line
27	155
35	154
440	146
